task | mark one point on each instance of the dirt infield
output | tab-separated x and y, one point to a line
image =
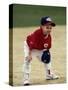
58	51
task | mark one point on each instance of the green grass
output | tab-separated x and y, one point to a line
29	15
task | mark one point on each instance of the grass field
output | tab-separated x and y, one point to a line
37	75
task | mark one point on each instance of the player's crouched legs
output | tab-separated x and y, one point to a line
46	58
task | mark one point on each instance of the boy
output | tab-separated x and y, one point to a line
38	44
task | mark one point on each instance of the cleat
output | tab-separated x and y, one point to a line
26	83
52	77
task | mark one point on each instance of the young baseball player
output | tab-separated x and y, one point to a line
38	44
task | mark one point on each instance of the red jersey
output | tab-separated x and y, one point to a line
37	40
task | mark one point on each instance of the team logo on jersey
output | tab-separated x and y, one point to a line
45	45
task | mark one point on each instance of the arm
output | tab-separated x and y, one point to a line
31	40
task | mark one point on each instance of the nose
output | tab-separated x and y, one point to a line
49	30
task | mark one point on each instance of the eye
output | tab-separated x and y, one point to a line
48	27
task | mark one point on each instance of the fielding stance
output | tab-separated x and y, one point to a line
38	43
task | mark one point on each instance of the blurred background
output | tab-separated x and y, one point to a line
29	15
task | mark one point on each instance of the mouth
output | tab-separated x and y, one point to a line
48	31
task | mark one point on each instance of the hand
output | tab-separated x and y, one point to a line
29	58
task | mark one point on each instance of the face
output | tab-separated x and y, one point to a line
46	28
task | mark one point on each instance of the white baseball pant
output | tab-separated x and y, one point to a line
27	64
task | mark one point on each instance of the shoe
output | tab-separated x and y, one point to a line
52	77
26	83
